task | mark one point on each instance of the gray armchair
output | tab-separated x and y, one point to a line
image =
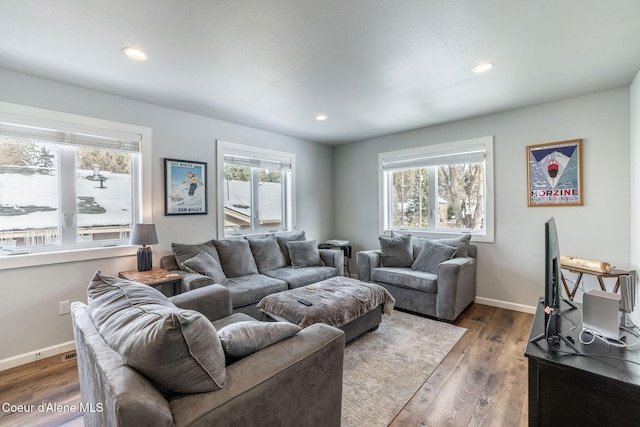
297	381
443	295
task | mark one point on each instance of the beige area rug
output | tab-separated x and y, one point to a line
383	369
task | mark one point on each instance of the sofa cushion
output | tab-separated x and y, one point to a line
250	289
396	251
205	264
304	254
178	350
297	277
416	242
431	255
232	318
289	237
405	277
462	243
244	338
267	253
184	251
236	257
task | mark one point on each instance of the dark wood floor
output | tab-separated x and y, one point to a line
483	380
46	381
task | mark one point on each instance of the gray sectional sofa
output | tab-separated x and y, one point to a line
253	267
148	360
435	277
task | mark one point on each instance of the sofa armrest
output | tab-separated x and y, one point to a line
123	395
456	286
367	262
168	262
214	301
333	258
192	281
189	281
297	381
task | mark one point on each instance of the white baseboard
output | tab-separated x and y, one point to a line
32	356
504	304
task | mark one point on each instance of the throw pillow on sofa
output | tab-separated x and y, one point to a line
267	253
205	264
432	254
178	350
304	254
396	251
184	251
282	239
236	257
462	243
241	339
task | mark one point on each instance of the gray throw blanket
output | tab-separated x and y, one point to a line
336	302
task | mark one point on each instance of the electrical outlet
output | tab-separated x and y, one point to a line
63	307
38	355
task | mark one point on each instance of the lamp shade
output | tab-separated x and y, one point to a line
144	234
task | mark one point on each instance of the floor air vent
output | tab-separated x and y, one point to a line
69	356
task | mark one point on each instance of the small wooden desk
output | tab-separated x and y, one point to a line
155	277
615	273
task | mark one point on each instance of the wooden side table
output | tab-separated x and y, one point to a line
615	273
155	277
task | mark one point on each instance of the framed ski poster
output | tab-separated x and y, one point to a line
185	190
554	174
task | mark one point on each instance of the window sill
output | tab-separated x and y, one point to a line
37	259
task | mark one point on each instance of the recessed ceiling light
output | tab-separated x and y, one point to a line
483	67
321	117
135	53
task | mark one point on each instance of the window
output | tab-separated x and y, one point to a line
445	188
255	189
67	183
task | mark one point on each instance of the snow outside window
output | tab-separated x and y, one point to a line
444	188
66	186
256	189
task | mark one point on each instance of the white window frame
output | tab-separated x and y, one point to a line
258	154
445	149
27	115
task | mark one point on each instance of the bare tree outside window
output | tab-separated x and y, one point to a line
459	203
461	186
411	198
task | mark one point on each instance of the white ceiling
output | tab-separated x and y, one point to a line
375	67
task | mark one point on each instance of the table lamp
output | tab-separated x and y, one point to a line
144	234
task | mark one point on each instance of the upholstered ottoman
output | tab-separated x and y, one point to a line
349	304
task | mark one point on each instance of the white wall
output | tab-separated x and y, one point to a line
635	179
510	271
29	296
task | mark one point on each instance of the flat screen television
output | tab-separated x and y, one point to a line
552	289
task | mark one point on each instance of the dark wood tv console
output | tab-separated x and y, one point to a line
598	389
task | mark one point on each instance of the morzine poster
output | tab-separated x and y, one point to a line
554	174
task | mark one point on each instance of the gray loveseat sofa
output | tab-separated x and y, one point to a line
129	328
253	267
422	274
